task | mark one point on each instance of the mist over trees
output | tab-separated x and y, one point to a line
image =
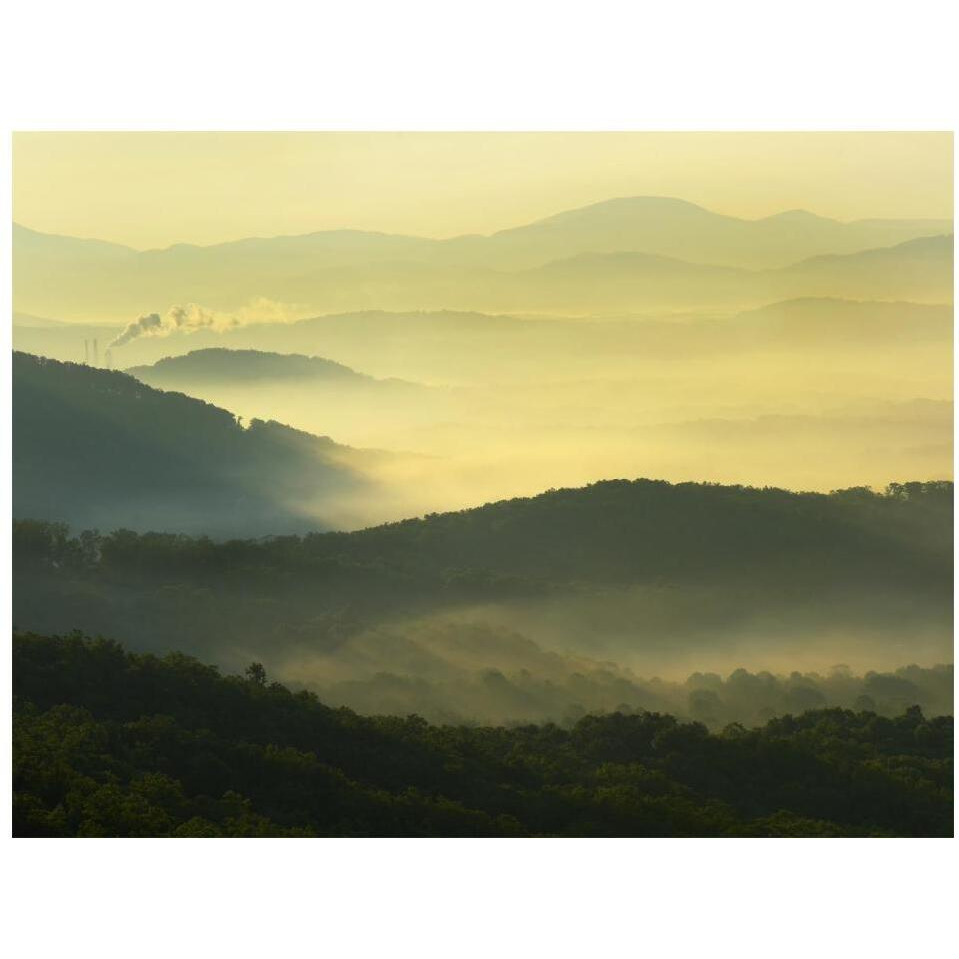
109	743
523	609
374	476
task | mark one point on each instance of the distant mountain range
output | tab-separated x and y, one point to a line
100	449
675	228
918	270
636	253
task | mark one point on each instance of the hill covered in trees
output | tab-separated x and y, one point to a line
108	743
238	367
622	531
543	590
99	448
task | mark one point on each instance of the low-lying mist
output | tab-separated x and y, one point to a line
611	582
810	394
455	671
435	412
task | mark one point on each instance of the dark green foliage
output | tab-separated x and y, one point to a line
95	447
850	557
619	531
108	743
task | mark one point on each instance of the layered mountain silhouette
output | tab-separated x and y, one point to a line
919	270
100	449
639	253
675	228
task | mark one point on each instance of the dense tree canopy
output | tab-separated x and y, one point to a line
109	743
709	551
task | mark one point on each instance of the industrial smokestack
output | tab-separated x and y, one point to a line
96	355
86	352
108	357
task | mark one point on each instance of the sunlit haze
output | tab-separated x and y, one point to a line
494	428
155	189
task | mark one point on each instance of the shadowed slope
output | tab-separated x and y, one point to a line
99	448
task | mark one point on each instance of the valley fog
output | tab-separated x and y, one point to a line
330	384
814	395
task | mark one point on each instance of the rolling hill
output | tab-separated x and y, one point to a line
98	448
226	367
640	572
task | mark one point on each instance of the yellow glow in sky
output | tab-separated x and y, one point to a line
154	189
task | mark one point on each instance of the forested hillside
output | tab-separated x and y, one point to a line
99	448
644	573
107	743
612	532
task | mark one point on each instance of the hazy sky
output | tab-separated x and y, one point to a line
154	189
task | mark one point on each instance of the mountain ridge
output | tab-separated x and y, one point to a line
675	203
525	272
94	446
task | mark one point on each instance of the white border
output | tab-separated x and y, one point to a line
467	66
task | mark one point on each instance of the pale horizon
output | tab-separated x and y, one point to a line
155	190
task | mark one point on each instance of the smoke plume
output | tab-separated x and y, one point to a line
187	318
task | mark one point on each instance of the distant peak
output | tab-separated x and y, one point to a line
648	200
633	203
798	216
